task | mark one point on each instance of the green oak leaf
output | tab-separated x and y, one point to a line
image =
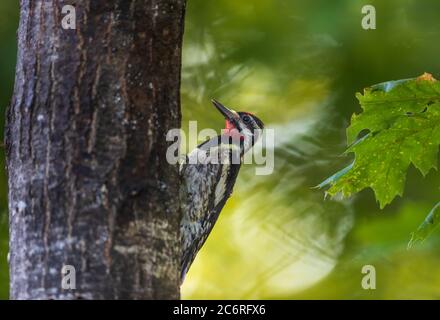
428	225
383	103
403	121
331	180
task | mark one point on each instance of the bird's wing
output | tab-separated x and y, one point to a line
205	188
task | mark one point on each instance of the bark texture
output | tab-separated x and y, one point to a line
89	184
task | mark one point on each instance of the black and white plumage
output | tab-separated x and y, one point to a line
208	177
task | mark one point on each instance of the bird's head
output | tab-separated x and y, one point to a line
243	124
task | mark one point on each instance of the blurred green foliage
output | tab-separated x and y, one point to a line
8	50
297	65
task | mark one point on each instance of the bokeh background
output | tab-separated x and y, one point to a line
297	65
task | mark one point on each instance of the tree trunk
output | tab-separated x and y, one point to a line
89	184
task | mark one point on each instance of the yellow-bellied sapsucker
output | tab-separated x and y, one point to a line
208	177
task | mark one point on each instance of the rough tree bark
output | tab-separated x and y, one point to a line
89	185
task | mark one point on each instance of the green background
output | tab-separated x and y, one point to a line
297	65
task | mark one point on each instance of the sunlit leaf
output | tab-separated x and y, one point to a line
403	118
384	103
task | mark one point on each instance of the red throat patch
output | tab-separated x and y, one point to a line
232	131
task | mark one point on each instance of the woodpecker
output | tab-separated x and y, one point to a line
208	177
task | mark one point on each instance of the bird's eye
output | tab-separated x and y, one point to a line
246	118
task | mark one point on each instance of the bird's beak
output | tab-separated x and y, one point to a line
229	114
